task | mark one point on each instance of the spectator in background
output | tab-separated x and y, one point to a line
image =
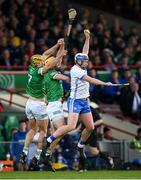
97	61
18	138
94	90
126	75
6	60
138	75
136	142
42	31
30	50
125	62
130	100
107	134
111	93
15	50
108	60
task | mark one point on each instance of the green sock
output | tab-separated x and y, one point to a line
25	150
38	153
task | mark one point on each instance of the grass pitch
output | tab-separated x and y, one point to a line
72	175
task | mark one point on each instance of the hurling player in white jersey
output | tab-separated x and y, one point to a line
78	105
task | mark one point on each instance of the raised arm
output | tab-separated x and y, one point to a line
53	49
53	61
96	81
62	46
87	42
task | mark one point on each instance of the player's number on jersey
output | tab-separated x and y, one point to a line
30	77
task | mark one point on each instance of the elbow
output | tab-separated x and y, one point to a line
67	80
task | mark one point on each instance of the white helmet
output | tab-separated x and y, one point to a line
81	57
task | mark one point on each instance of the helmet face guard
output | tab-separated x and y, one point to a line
36	60
81	57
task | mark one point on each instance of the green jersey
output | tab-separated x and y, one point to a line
53	87
35	85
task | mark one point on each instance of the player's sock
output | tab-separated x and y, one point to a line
38	154
25	150
107	158
81	144
50	139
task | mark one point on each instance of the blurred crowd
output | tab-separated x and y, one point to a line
130	9
26	30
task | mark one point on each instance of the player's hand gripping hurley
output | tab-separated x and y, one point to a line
126	84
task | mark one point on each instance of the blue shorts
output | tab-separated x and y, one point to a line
79	106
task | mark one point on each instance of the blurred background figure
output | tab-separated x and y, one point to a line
111	94
17	145
136	142
130	101
107	134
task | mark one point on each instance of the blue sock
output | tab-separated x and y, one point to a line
51	138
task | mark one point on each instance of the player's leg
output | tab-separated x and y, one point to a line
32	129
88	122
61	131
92	140
29	137
42	125
40	114
57	123
71	123
56	116
47	159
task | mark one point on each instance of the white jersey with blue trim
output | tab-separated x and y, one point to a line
79	87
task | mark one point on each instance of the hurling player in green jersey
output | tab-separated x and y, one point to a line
36	107
54	90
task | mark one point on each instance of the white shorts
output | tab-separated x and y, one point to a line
36	110
55	110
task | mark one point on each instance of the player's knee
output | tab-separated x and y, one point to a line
44	130
71	127
90	129
33	131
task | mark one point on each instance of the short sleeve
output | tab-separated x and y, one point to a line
53	74
40	71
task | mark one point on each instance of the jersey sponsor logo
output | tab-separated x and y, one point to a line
42	116
56	112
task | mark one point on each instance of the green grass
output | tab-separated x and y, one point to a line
72	175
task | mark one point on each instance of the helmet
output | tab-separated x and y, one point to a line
48	60
36	59
81	57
